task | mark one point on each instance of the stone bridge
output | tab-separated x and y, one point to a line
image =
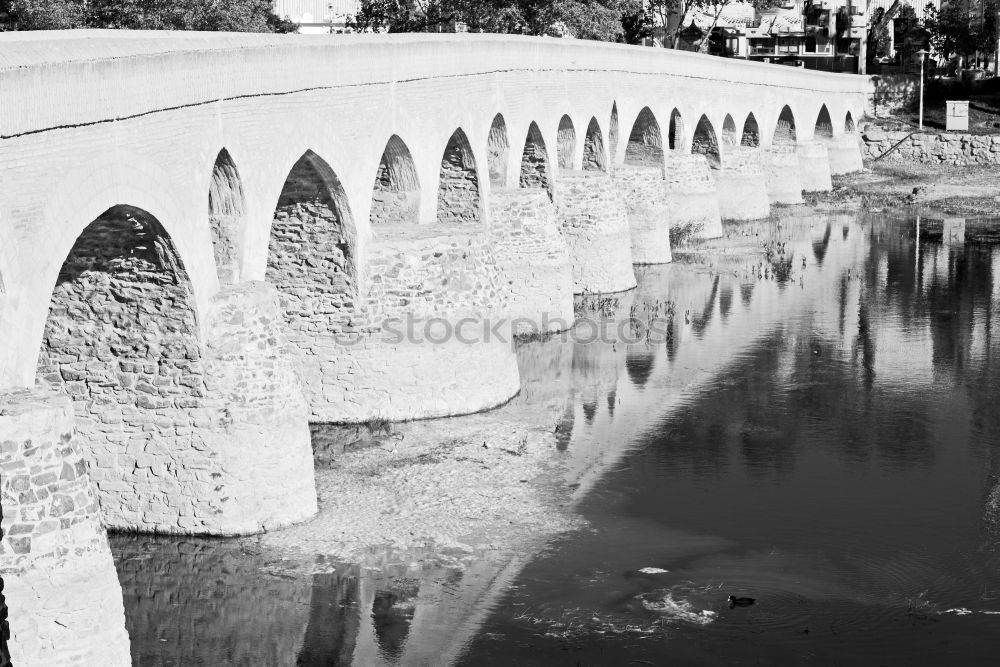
208	241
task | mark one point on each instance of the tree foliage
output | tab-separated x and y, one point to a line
585	19
229	15
955	30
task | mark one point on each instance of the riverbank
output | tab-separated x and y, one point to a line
953	190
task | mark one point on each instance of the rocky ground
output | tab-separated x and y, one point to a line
487	481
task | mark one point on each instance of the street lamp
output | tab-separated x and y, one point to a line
922	53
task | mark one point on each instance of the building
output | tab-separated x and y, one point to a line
828	35
318	16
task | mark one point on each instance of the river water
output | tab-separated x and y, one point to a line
816	429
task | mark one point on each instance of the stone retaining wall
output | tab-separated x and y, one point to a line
595	225
533	254
644	192
60	581
932	147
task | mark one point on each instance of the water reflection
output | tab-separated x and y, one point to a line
839	464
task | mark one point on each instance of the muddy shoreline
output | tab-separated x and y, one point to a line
951	190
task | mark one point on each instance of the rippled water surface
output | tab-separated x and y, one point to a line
818	430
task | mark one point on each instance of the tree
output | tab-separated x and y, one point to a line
955	30
229	15
585	19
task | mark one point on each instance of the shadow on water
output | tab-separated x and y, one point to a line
826	443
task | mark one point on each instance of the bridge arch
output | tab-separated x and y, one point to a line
124	268
751	132
535	169
396	192
227	217
784	129
706	142
849	126
729	131
566	143
613	132
824	125
459	194
498	152
311	258
645	141
675	132
595	157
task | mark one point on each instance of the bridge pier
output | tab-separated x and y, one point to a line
59	578
692	197
644	192
741	185
781	170
595	225
430	338
845	154
532	252
814	165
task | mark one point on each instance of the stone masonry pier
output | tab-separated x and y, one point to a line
594	221
692	195
533	254
645	194
59	579
741	185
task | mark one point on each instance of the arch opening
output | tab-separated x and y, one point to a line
751	132
497	152
595	158
565	143
675	133
784	130
458	189
613	131
729	131
121	339
824	125
849	127
226	217
535	161
311	251
705	142
396	193
645	142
